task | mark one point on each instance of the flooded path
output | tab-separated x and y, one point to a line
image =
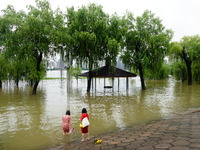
34	121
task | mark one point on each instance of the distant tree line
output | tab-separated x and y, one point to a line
89	35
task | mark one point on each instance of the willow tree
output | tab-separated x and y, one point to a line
115	31
146	43
87	28
3	69
188	51
5	31
11	21
95	36
31	37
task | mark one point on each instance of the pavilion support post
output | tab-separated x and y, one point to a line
104	84
127	84
112	84
118	84
92	85
89	82
95	84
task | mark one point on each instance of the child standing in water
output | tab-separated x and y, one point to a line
85	129
66	123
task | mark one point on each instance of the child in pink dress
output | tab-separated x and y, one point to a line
66	123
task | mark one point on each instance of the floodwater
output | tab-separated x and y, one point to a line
33	122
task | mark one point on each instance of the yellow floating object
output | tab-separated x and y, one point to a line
97	141
81	125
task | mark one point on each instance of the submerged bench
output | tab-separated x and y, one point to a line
108	87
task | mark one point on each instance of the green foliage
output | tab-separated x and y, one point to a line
191	45
146	43
89	35
28	38
87	29
188	52
75	71
94	35
196	72
32	74
161	73
115	32
175	50
179	70
3	67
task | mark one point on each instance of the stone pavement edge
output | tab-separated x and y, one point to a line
179	133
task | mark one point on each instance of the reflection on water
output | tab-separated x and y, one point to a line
34	121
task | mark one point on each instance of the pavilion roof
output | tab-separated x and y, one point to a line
109	71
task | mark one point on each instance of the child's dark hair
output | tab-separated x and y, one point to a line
84	110
68	112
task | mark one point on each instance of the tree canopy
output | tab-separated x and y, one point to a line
88	35
94	36
27	39
146	43
188	51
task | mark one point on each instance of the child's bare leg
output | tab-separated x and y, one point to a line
88	136
82	137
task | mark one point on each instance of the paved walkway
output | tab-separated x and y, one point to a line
179	133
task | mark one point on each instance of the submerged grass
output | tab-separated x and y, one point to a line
52	78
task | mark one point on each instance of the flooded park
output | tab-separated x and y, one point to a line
34	121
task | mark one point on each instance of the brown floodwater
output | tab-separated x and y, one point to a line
33	122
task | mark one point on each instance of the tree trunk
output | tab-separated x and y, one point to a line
89	82
31	82
189	70
188	63
90	75
17	81
141	76
35	87
0	84
39	60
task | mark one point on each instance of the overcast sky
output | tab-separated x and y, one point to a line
182	16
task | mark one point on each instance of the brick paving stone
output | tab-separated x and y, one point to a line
142	138
145	134
181	142
133	146
167	146
114	142
155	139
107	137
106	142
195	145
146	148
195	140
163	141
128	140
149	143
138	142
180	148
125	136
118	148
183	138
106	147
134	136
123	144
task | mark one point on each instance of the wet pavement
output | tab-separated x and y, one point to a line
179	133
